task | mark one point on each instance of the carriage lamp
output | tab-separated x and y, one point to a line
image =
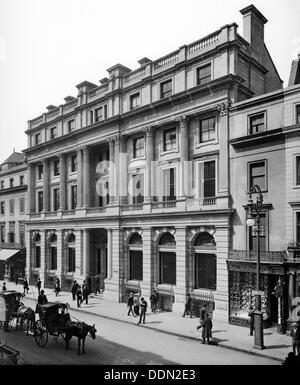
253	218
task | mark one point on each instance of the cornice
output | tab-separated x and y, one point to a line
13	189
261	137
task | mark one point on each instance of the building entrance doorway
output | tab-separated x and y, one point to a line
98	240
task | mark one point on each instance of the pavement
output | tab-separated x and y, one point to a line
277	346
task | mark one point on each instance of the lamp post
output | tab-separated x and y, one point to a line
253	217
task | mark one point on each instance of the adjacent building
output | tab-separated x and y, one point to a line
130	179
13	201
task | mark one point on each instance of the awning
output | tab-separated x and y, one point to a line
5	254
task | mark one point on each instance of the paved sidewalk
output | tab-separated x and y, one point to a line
224	334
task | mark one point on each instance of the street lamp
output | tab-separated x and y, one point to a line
253	217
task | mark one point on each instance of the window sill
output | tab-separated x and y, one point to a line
208	143
167	152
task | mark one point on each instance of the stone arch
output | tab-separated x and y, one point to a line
204	239
36	237
135	239
166	239
71	238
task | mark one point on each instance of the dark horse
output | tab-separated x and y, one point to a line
79	330
24	313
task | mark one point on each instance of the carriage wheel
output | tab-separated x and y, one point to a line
40	333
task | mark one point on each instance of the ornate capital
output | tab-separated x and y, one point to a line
223	108
148	130
182	120
61	155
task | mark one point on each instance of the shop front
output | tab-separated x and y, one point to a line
242	287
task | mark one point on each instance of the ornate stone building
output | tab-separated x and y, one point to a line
130	179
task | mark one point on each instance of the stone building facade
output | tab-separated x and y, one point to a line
13	201
130	179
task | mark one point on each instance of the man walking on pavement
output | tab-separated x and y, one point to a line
130	304
85	293
39	285
74	289
97	285
79	296
143	306
251	315
188	305
203	313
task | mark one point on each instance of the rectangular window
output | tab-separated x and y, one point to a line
22	232
91	117
257	175
11	206
21	180
204	74
73	197
2	208
170	139
298	227
73	163
71	125
2	185
207	129
53	133
37	256
53	258
205	271
100	113
11	234
22	205
37	139
298	114
257	123
71	259
2	233
166	89
56	168
40	201
11	182
55	199
40	171
169	180
134	101
139	147
138	188
298	170
167	262
262	234
136	265
209	180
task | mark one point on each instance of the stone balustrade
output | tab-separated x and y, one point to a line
203	43
251	256
166	60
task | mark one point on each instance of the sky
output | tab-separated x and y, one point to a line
47	47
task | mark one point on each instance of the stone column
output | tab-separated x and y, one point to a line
147	264
60	253
149	160
28	244
46	183
109	253
181	267
44	245
111	170
224	152
123	190
184	157
31	188
86	252
79	177
78	255
62	181
117	178
86	177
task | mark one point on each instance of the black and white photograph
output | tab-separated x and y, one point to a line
149	186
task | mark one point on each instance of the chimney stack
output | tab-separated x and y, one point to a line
253	30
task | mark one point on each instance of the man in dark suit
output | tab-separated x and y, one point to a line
143	306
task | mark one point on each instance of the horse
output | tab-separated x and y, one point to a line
24	313
79	330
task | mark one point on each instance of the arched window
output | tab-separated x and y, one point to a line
37	237
53	251
71	253
167	239
136	239
136	257
204	239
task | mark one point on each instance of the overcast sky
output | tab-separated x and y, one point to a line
49	46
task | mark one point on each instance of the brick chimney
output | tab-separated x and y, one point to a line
295	72
253	30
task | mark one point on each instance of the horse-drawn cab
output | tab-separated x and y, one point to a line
10	301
